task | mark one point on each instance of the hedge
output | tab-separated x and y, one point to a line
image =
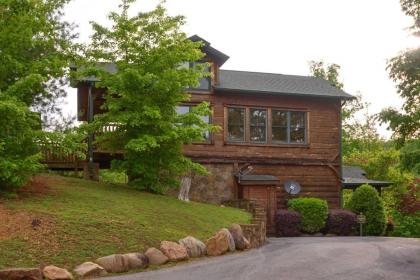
313	212
287	223
365	199
341	222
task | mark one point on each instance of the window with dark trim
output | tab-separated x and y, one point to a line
236	124
183	109
204	82
266	126
258	125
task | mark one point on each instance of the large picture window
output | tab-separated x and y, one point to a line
236	125
252	125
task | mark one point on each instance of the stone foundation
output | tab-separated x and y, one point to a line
216	187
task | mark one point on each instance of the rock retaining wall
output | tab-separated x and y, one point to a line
255	232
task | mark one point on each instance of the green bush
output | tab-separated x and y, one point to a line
406	225
366	200
313	212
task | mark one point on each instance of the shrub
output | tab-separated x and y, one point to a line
366	200
287	223
406	225
313	212
341	222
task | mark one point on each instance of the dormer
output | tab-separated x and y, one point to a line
215	58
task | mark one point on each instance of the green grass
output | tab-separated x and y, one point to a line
91	219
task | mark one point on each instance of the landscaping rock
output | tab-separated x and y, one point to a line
174	251
247	244
55	273
238	236
231	241
89	270
218	244
195	247
21	274
136	260
156	257
114	263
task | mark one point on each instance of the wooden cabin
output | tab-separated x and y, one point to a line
275	128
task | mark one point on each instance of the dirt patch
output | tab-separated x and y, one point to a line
38	186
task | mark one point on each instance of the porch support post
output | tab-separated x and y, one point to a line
91	168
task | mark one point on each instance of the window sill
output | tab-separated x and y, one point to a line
307	146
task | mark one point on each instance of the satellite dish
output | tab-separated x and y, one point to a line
292	187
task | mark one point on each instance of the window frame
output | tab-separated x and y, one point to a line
246	133
209	139
209	78
250	125
269	127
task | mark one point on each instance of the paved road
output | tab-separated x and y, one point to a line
305	258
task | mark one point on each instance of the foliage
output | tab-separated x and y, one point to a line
287	223
313	212
406	225
112	176
81	218
341	222
366	200
36	45
404	69
410	202
67	143
148	50
383	163
19	156
329	72
410	156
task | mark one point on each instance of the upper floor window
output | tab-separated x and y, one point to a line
252	125
204	82
183	109
236	124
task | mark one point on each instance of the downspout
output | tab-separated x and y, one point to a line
90	134
341	152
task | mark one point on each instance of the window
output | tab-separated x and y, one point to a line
204	82
258	125
279	126
236	125
183	109
251	125
297	127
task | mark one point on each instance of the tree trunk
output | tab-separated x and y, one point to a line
185	188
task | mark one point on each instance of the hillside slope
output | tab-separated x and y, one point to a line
66	221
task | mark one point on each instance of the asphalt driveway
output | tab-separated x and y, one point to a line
305	258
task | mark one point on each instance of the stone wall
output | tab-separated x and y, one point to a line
216	187
256	232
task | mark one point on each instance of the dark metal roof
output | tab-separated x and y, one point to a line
354	176
257	82
220	57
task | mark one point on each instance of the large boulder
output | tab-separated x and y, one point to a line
21	274
218	244
195	247
238	236
113	263
136	260
231	241
89	270
174	251
156	257
55	273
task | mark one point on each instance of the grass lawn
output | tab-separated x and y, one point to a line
66	221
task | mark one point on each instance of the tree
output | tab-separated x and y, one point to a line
149	50
36	46
404	69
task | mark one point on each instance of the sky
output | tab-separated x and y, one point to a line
282	36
